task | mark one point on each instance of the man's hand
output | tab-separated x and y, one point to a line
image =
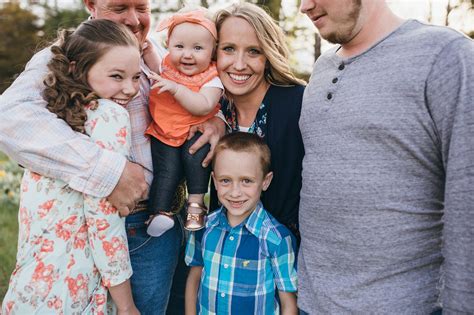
130	189
150	56
212	130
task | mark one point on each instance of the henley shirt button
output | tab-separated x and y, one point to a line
329	96
231	238
341	66
334	80
223	294
226	266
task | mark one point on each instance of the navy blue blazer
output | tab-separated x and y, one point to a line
283	136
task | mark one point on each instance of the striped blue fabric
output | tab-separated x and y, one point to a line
243	265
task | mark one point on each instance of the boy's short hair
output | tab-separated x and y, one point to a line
245	142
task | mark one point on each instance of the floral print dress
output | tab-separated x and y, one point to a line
71	246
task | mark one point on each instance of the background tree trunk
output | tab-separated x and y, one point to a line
274	6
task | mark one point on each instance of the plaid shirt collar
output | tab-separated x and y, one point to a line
253	223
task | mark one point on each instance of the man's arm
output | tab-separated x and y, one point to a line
450	97
192	288
43	143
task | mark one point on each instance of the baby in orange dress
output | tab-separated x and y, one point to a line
186	93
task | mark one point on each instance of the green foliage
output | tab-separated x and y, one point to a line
18	40
8	241
273	7
3	157
10	176
21	35
56	20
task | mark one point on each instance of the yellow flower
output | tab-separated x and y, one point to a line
2	173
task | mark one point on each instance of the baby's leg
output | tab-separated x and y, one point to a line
197	179
167	173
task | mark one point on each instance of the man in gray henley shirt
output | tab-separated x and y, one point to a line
387	204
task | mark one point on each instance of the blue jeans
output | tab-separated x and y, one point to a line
154	261
176	301
170	166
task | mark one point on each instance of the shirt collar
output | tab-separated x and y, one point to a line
253	223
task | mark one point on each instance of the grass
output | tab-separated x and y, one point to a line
8	242
8	238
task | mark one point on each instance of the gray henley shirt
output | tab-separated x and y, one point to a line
388	177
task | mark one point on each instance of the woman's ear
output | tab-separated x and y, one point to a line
267	68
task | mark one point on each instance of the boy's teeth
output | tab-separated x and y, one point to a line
239	77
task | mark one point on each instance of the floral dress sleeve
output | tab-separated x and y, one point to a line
109	127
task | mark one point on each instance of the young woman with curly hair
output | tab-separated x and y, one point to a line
72	247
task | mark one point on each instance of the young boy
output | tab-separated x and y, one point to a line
244	254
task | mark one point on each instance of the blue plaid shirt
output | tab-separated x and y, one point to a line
242	265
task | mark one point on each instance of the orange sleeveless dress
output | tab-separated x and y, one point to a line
171	121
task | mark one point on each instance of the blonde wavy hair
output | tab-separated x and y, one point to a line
270	37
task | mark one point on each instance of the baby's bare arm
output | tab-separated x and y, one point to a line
197	103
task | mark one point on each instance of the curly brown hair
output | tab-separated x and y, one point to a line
74	53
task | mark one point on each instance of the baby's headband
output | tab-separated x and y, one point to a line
195	16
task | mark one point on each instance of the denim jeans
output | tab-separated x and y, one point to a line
170	166
154	260
176	301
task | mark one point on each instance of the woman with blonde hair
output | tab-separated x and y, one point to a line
263	96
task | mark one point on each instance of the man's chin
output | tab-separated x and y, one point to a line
335	38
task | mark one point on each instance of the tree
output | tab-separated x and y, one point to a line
59	19
453	6
18	41
273	7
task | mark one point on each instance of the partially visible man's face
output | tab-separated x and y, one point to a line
336	20
135	14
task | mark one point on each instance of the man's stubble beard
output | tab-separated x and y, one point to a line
346	33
